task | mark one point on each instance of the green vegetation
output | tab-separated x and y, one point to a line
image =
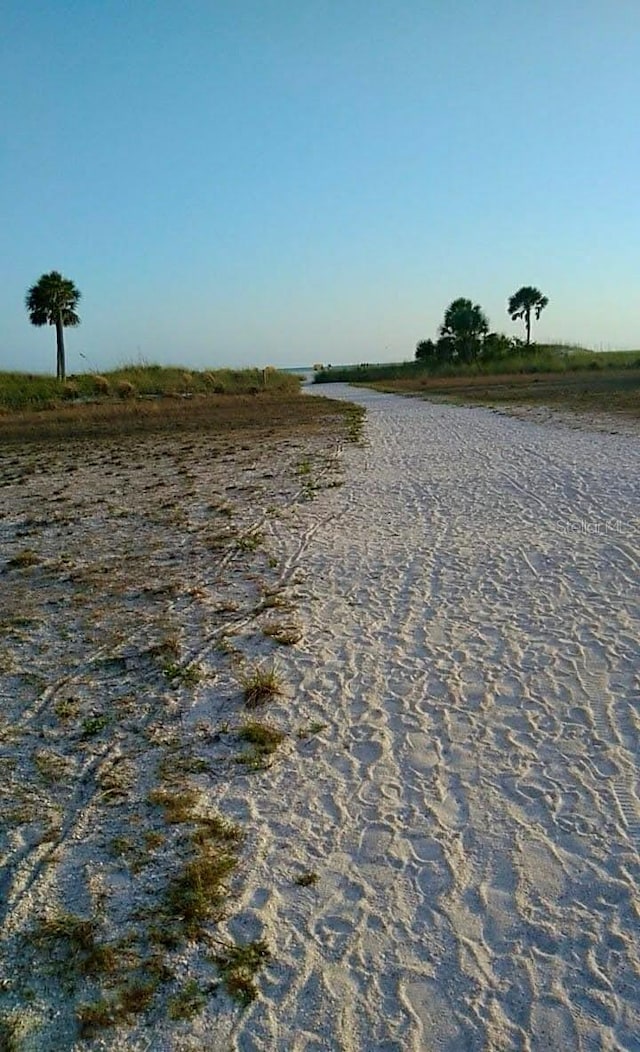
238	966
23	559
465	347
260	685
263	738
523	302
539	359
26	391
462	332
39	408
198	892
187	1002
125	1002
53	301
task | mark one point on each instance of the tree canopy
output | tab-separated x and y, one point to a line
53	301
523	302
463	329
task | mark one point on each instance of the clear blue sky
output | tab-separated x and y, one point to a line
285	181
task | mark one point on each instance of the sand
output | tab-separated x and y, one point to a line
469	795
471	618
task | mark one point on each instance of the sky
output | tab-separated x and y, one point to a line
239	182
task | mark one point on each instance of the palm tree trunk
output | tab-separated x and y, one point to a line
60	372
528	327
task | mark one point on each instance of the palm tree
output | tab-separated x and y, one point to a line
523	302
53	301
463	328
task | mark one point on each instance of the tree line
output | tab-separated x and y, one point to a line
464	334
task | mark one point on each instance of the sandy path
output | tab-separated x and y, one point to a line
472	808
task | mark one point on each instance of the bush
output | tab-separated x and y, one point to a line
125	389
70	390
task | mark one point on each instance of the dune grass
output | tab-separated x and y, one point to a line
20	391
159	400
539	359
553	375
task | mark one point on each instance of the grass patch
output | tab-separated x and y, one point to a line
239	966
130	999
264	740
599	392
21	390
260	685
189	676
71	942
32	409
249	542
178	806
306	879
539	358
23	560
565	377
187	1002
312	729
94	724
197	894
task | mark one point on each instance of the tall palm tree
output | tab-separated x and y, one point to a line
524	301
53	301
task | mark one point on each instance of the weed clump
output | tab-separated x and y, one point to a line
260	685
264	740
23	559
306	879
187	1002
125	389
197	894
238	967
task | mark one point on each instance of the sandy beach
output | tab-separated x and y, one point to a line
459	777
471	618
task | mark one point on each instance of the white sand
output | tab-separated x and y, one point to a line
470	601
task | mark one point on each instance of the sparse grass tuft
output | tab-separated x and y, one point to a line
131	999
306	879
198	892
67	708
23	560
51	766
94	724
189	675
178	806
264	740
273	599
249	542
239	965
313	728
260	685
187	1002
72	942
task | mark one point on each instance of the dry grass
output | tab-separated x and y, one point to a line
112	771
260	685
593	391
271	414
